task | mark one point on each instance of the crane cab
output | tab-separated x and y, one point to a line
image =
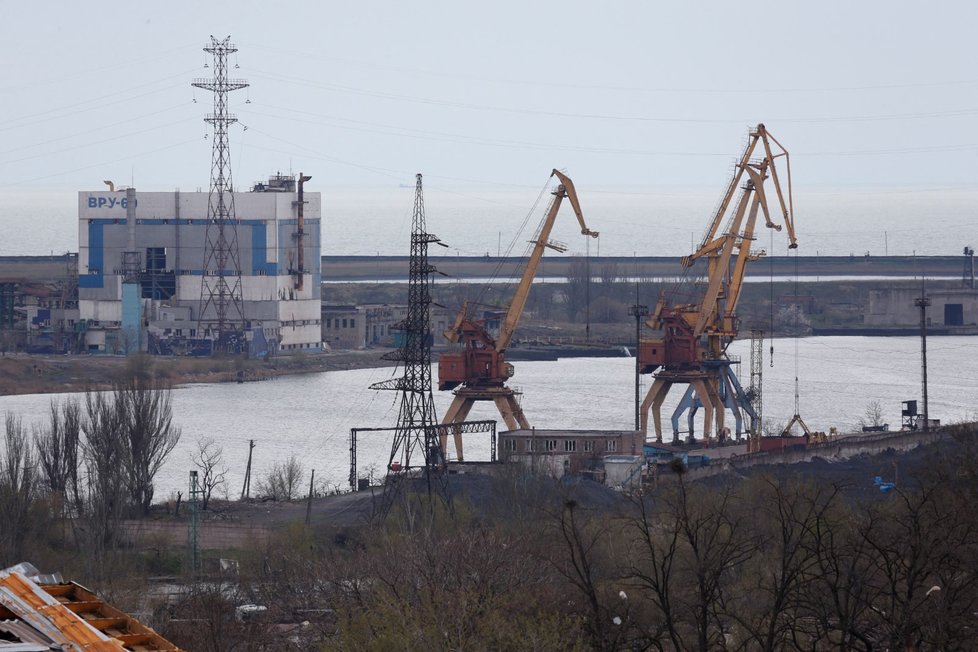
475	367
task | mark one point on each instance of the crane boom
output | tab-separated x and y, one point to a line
542	242
478	370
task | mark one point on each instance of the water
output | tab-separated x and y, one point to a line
643	223
310	416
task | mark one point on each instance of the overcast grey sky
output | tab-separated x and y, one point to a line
492	95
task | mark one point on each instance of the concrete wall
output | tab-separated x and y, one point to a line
210	536
895	307
838	449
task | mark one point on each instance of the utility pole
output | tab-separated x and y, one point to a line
638	311
968	277
246	487
312	478
922	302
194	543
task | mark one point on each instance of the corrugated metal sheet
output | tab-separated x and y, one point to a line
23	633
67	615
45	614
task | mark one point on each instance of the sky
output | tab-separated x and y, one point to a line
624	95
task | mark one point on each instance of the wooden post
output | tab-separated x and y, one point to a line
246	488
312	478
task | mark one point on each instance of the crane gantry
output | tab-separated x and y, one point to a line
478	371
694	336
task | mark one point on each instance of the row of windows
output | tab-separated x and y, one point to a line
346	323
553	445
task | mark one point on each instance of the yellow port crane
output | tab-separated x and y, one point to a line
479	371
694	336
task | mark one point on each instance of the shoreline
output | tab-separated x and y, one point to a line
22	373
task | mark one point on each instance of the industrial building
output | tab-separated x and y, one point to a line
141	269
948	307
357	327
557	452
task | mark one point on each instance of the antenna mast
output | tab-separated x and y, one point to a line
221	313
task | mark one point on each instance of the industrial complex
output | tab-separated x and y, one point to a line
141	275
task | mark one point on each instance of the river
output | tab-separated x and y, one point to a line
310	416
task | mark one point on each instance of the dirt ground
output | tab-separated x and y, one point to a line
39	374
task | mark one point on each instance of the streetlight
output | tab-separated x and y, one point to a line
638	311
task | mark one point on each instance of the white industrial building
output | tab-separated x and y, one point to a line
140	269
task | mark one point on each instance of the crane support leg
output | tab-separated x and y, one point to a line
689	403
655	397
727	395
708	405
719	413
457	412
511	412
740	399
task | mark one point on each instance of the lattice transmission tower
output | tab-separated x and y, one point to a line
417	423
756	391
221	315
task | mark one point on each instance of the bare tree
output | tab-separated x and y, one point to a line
283	481
57	448
19	485
582	570
146	413
105	458
872	416
209	459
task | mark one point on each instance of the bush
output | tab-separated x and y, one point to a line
283	482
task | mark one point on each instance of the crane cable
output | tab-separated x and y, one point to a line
587	290
499	263
797	321
771	300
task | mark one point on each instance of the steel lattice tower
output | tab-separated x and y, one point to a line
417	422
221	311
756	386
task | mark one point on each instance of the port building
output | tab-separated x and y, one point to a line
140	269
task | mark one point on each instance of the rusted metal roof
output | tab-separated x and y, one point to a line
71	616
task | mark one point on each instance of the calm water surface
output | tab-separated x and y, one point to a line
311	416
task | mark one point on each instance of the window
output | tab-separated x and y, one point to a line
529	445
611	445
570	445
588	446
551	444
353	323
509	445
344	323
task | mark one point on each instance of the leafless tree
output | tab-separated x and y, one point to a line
651	570
146	413
57	447
873	416
283	481
105	458
19	485
209	459
771	595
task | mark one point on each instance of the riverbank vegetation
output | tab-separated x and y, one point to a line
779	560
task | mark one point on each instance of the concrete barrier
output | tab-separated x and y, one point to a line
837	449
